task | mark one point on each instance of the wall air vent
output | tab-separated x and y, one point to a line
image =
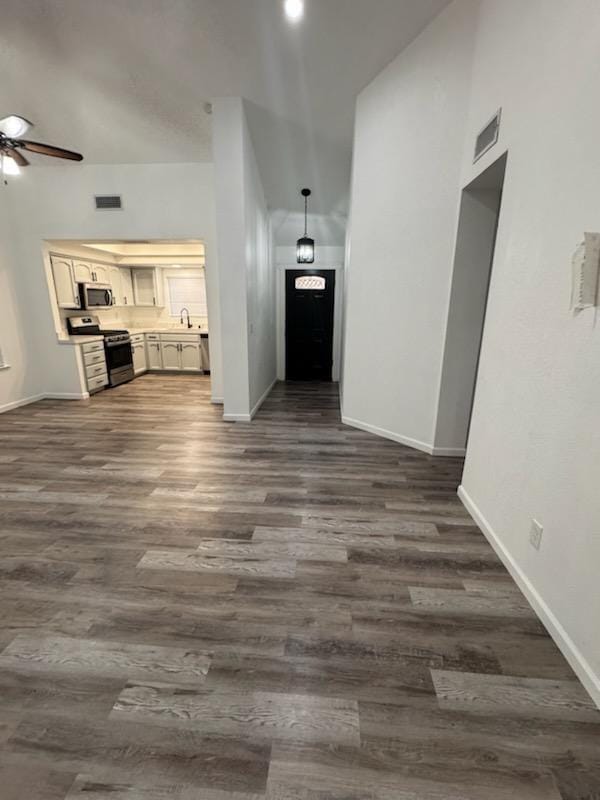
488	136
104	201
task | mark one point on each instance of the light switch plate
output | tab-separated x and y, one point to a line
535	534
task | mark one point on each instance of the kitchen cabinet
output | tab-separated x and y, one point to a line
126	286
65	283
89	272
181	353
170	355
101	273
140	363
94	361
154	354
116	285
190	357
146	286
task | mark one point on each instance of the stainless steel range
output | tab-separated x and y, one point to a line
117	347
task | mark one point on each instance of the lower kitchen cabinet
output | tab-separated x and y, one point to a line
172	352
153	354
140	363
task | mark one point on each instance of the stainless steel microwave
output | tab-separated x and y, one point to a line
95	295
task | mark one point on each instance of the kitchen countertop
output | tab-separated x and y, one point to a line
83	339
183	331
133	332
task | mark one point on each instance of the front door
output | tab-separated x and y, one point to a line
309	324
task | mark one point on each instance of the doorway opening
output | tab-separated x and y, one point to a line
309	323
479	218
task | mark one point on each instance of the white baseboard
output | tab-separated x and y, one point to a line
249	417
449	452
565	644
66	396
395	437
237	418
24	401
262	399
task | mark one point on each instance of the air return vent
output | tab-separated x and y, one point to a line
488	136
104	201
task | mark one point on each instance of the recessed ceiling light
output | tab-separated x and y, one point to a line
294	9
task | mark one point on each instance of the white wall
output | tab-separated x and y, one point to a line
18	378
410	130
325	258
246	271
160	201
534	447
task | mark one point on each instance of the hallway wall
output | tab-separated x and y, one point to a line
534	449
247	285
409	139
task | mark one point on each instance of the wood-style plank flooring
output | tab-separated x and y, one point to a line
287	610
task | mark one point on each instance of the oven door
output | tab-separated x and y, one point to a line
97	296
119	362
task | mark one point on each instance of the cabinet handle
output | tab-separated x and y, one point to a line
154	301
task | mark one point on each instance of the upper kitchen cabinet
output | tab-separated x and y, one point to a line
65	283
146	286
126	287
89	272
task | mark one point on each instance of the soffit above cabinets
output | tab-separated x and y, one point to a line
156	253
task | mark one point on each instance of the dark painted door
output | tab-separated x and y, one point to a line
309	324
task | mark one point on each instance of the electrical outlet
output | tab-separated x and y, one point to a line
535	534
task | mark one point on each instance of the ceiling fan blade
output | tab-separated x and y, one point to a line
49	150
16	156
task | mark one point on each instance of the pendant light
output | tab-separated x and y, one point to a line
305	248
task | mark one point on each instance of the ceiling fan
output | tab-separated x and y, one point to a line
12	128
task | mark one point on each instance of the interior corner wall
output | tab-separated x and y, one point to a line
246	271
534	444
19	380
409	139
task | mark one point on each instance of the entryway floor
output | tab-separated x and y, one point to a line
291	609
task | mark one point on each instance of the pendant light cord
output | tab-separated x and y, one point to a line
305	216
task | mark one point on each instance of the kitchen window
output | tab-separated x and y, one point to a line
187	292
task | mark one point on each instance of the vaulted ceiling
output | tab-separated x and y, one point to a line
126	81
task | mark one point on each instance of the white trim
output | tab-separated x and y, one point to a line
249	417
217	401
441	452
237	418
24	401
67	396
262	399
449	452
395	437
565	644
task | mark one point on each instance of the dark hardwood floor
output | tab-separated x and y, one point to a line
291	610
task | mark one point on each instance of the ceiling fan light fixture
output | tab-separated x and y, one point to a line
10	166
294	9
305	246
14	126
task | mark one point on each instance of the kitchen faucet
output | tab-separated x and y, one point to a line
189	324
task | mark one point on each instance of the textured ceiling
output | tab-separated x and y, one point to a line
125	81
